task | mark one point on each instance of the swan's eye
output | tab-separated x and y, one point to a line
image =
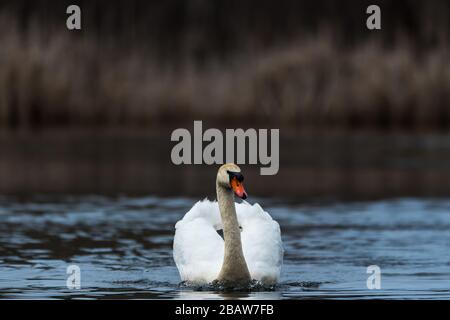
235	175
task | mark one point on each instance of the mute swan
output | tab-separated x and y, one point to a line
251	248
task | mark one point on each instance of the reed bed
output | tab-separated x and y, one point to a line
51	77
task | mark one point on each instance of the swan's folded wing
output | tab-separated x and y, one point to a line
261	243
197	251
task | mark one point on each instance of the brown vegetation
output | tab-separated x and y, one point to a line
58	78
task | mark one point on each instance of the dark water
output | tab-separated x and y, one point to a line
123	248
343	165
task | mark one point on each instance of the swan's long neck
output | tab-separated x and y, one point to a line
234	268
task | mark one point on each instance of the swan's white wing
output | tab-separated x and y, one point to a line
261	242
197	248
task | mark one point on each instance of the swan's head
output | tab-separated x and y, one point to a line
229	176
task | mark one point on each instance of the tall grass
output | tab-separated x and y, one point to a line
58	78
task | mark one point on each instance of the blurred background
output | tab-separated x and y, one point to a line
362	114
86	118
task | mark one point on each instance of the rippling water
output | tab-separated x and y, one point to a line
123	248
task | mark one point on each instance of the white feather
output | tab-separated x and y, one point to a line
198	249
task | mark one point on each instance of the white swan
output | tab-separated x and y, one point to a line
251	248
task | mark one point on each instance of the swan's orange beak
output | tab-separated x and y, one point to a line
238	188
